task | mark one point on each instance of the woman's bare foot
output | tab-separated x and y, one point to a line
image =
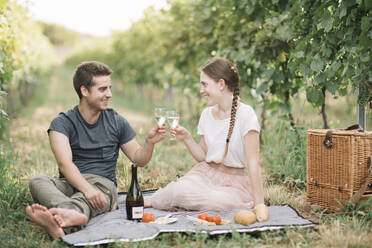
41	216
68	217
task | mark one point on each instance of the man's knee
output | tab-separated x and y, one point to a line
36	182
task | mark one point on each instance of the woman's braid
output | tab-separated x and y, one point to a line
234	108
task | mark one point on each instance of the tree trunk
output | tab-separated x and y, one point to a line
323	111
168	96
140	90
263	113
189	103
263	119
287	99
290	115
198	108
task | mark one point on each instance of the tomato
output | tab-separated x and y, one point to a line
214	218
203	216
148	217
210	218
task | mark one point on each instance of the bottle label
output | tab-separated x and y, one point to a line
137	212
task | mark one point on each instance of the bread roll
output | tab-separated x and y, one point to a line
262	212
245	217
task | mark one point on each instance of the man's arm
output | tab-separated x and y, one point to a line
62	151
142	155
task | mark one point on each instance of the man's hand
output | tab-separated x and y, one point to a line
157	134
96	198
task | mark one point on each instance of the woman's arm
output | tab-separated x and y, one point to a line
198	151
252	150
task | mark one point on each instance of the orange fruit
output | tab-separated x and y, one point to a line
148	217
203	216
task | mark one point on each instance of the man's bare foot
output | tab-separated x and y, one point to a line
68	217
41	216
147	202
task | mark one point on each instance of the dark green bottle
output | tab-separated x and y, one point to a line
134	201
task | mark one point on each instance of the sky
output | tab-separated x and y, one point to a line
94	17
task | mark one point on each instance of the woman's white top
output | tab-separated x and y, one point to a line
215	135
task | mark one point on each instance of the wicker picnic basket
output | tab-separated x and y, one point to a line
338	166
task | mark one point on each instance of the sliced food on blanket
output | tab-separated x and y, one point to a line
165	220
225	222
208	220
214	218
200	221
203	216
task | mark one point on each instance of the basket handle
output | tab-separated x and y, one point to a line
356	197
328	143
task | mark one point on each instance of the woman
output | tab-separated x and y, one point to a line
229	142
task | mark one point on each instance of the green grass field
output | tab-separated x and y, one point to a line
283	157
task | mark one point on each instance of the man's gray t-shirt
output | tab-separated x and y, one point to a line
95	147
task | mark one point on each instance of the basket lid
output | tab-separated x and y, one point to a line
340	132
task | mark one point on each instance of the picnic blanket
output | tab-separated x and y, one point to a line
114	226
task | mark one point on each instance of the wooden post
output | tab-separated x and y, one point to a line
360	111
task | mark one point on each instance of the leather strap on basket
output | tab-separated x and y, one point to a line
356	197
328	143
354	127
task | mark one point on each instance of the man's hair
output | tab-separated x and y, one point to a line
84	73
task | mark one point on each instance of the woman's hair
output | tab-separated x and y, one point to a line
219	68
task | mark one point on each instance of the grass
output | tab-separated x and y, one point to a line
284	155
283	159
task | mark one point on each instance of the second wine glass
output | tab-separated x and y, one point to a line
173	118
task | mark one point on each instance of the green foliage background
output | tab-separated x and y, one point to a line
280	47
25	54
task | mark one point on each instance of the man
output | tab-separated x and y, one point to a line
85	141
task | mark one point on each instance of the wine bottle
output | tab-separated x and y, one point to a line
134	201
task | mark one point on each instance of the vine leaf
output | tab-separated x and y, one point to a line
317	64
314	96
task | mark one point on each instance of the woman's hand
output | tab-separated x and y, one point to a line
180	132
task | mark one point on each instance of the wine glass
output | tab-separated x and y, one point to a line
160	116
173	118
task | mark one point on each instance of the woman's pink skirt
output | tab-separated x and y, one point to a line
206	187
